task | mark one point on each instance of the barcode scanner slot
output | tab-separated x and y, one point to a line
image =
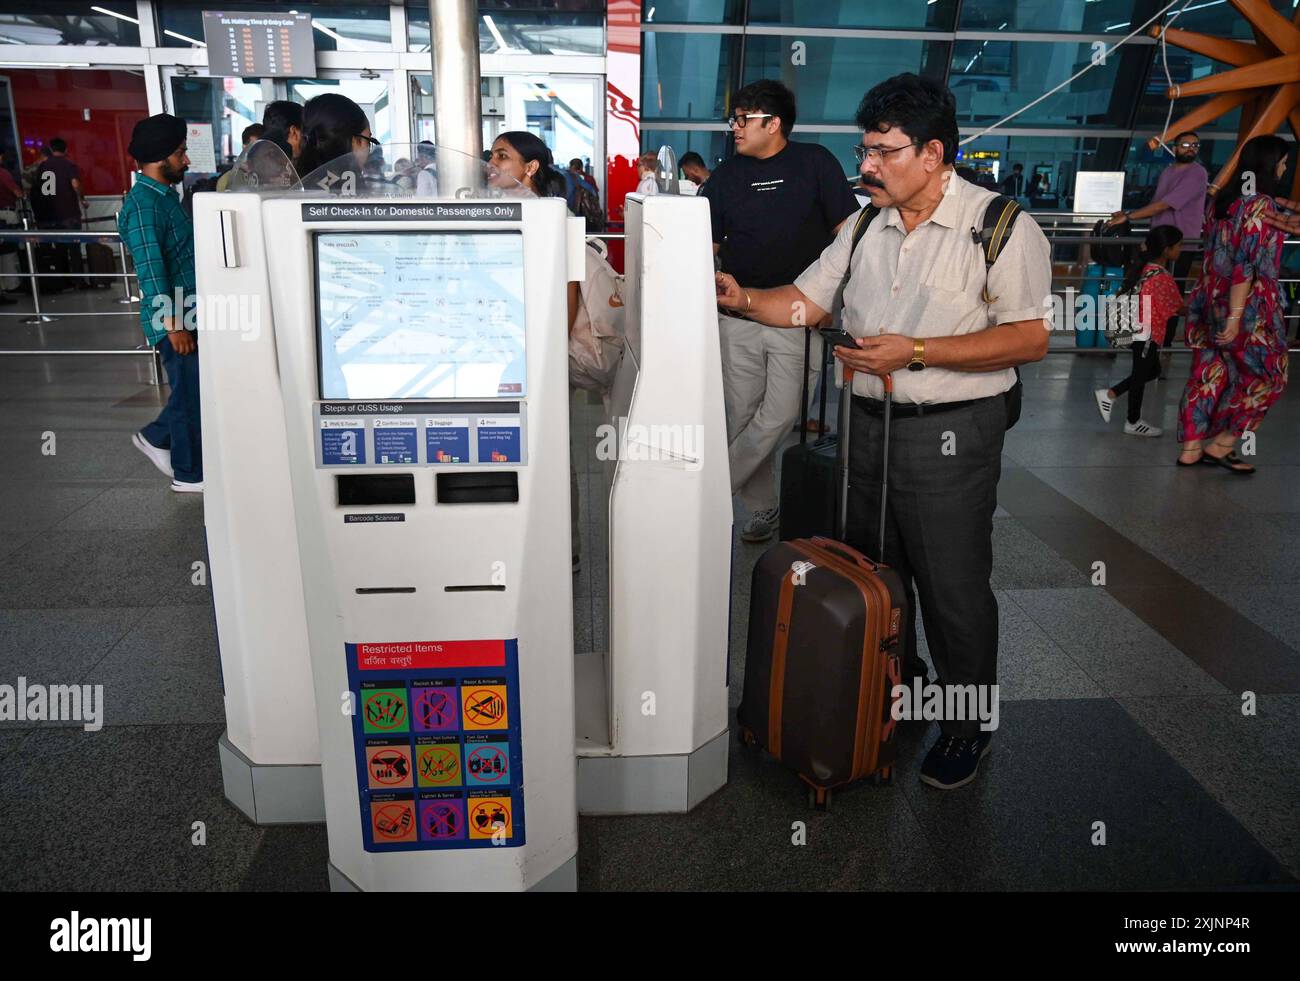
370	489
490	487
474	589
377	590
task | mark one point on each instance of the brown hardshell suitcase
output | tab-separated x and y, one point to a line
823	652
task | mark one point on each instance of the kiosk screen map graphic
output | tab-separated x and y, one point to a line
420	315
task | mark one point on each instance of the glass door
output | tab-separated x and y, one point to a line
369	90
565	111
228	105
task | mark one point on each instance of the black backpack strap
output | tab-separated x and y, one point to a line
999	219
865	217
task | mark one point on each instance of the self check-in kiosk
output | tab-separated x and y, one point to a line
425	404
421	360
387	518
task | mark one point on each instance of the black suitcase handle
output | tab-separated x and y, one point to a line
846	412
821	401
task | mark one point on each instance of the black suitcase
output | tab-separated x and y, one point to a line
822	661
102	264
52	259
808	486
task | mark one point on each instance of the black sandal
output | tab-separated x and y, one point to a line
1229	461
1195	462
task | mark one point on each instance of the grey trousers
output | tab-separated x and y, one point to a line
943	481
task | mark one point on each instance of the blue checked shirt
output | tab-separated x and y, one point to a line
160	236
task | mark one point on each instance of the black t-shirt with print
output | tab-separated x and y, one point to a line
773	217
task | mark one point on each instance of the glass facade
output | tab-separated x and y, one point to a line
997	56
556	27
59	22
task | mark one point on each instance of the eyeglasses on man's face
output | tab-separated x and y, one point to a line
740	120
1189	146
876	153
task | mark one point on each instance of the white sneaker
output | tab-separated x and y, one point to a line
181	487
1104	403
1142	428
762	525
162	459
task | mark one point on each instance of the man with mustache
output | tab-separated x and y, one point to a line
775	206
160	237
919	298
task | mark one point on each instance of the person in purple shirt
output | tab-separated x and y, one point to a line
1179	200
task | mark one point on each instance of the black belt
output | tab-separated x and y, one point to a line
904	410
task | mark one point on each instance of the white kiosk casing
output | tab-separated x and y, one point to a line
669	613
399	595
652	713
270	752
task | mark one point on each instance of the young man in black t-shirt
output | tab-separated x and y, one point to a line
775	206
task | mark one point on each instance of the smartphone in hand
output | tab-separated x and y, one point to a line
838	337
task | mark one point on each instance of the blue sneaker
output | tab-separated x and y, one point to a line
953	761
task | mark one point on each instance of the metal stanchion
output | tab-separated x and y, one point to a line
128	297
37	317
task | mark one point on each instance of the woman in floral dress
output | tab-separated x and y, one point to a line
1235	323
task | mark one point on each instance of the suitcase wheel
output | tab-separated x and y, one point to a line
883	778
819	799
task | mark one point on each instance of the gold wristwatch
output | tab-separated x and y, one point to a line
918	355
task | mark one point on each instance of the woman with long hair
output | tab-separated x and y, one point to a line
523	157
520	156
1235	323
1149	286
333	126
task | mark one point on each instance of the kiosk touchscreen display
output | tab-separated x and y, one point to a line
420	315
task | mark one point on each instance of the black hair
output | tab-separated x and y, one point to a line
1257	164
1018	166
532	148
689	158
1186	132
58	145
1158	239
556	185
329	123
279	117
576	162
250	133
767	95
923	109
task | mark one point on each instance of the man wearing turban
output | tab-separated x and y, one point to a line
160	237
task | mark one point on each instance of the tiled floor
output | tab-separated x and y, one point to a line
1121	703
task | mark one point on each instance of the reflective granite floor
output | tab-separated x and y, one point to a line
1121	703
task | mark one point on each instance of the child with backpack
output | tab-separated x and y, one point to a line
1150	290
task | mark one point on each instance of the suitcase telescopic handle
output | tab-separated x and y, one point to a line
846	397
888	381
